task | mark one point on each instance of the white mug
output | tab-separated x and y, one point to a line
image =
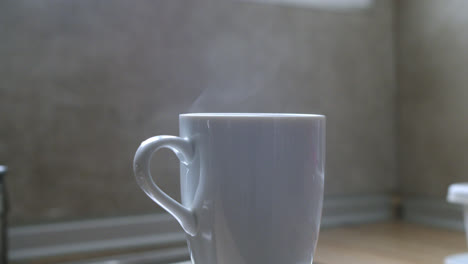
251	185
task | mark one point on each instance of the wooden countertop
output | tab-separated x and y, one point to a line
381	243
388	243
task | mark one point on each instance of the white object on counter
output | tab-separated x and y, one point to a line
458	193
457	259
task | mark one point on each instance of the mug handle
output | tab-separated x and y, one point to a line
183	148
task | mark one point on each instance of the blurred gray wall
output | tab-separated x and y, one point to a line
82	83
433	95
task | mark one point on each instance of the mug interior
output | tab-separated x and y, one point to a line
252	115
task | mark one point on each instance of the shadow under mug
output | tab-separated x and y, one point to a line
251	185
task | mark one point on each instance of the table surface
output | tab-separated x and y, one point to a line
382	243
387	243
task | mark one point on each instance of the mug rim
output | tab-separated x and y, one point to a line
246	115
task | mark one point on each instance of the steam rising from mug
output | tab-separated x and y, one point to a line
236	80
223	98
234	86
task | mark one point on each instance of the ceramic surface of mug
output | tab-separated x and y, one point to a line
251	185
